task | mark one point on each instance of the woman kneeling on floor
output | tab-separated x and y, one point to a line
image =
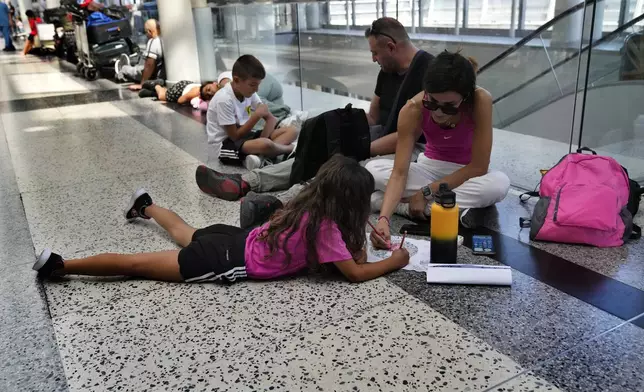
456	118
324	224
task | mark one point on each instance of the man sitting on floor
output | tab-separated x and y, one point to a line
153	59
234	111
402	69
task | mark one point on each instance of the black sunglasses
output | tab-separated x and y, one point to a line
448	109
375	31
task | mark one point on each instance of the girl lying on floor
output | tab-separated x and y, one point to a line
184	91
324	224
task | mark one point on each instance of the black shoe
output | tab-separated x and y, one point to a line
48	263
145	93
10	49
472	218
140	199
229	187
151	84
255	209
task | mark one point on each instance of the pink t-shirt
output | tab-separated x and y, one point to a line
261	265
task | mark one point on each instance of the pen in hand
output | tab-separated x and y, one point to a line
403	240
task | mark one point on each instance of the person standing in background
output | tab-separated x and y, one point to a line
33	25
5	27
12	17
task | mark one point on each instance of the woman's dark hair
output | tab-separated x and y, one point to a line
201	92
341	192
451	72
30	14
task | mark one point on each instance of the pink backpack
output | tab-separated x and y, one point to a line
584	199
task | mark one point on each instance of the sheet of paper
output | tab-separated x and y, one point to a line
497	275
419	252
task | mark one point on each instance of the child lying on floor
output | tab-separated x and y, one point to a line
184	91
324	224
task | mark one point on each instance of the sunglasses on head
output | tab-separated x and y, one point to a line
448	109
375	31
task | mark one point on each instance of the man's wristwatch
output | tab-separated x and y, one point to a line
427	193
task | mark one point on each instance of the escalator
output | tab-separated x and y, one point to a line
534	84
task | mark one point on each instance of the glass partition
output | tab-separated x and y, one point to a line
317	53
613	116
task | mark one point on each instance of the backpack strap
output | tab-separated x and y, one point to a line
636	234
394	106
582	149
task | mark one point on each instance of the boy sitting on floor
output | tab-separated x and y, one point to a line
234	111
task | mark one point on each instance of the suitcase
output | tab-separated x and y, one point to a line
97	35
105	55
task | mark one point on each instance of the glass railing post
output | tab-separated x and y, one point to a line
623	11
521	24
347	12
299	52
412	3
237	31
466	8
588	62
513	19
353	13
457	27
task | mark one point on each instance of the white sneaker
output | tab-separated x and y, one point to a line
122	61
252	162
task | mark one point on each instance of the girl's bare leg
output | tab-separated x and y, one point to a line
179	230
161	91
27	48
157	265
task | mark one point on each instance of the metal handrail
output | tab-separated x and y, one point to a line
605	38
537	32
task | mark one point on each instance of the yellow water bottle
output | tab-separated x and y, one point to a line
444	229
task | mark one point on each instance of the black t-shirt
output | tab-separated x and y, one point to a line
387	88
388	85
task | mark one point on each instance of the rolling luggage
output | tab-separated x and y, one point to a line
105	55
107	32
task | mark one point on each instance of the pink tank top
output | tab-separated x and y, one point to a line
449	145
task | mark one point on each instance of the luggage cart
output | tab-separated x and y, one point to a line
85	66
99	45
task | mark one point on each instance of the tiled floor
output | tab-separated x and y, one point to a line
68	165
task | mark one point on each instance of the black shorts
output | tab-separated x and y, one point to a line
231	151
31	38
216	253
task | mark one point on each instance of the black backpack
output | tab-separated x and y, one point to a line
344	131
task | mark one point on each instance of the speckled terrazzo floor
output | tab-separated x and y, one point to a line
66	170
